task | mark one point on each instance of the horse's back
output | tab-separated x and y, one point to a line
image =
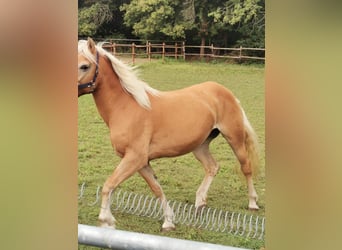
198	101
211	90
198	93
211	97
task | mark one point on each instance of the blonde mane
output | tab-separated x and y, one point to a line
127	75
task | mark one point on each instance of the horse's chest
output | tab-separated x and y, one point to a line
128	138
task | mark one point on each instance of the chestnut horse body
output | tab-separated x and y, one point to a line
146	124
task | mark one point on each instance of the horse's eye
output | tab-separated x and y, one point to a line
84	67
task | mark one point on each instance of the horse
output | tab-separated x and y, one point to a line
147	124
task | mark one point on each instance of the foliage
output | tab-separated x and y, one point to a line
249	16
236	18
224	23
153	17
235	11
90	19
206	19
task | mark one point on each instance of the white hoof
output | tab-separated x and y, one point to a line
168	226
107	222
107	225
253	207
168	229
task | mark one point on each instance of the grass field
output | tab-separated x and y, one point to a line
181	176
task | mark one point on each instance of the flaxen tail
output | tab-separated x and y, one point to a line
251	143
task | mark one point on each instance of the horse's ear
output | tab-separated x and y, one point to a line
91	45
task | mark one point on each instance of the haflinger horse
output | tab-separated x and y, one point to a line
146	124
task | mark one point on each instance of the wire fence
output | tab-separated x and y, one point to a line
217	220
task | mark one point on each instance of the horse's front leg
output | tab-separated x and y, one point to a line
130	164
149	176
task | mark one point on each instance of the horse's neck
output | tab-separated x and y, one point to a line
110	96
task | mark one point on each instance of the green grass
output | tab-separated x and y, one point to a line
181	176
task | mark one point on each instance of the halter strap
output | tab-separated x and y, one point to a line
91	84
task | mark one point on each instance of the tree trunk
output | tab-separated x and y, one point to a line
203	32
225	39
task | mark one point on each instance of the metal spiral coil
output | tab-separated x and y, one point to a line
212	219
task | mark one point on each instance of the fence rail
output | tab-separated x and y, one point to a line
124	240
183	51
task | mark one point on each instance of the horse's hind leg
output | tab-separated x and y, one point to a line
148	174
202	154
242	156
236	140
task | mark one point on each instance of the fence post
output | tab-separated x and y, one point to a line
183	50
212	50
114	48
176	50
111	45
163	53
133	53
240	54
149	51
201	51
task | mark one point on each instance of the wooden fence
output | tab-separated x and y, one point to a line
182	51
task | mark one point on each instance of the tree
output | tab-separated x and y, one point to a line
91	18
154	18
247	17
151	19
234	11
225	23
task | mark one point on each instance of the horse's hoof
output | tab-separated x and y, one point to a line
107	225
200	208
254	208
168	229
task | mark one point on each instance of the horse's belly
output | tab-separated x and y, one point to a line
170	150
178	142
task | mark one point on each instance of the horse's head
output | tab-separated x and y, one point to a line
88	59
